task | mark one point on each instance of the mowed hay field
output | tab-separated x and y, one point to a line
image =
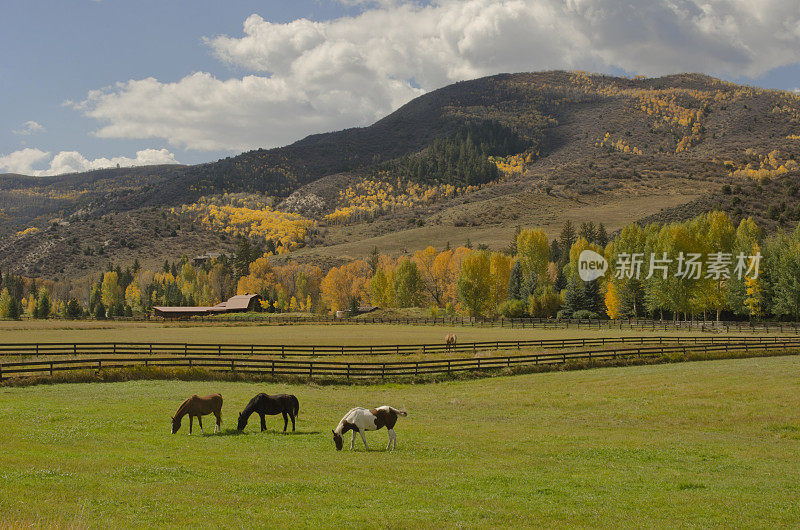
687	444
321	334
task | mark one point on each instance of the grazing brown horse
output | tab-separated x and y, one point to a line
450	341
198	407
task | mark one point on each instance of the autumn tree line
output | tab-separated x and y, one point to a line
533	277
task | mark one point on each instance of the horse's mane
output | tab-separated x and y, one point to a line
251	405
183	406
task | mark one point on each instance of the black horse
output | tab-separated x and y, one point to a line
263	404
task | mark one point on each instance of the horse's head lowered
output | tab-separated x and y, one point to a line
242	422
337	439
176	424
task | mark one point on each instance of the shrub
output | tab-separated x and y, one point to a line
564	314
773	212
512	308
74	309
100	311
583	314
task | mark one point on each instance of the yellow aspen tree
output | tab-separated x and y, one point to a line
533	253
612	301
500	271
133	297
110	291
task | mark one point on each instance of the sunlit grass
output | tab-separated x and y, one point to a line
324	334
705	443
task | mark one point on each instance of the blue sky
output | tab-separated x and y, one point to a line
87	83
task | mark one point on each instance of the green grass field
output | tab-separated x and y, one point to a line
688	444
325	334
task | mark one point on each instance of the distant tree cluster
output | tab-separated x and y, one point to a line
461	159
25	297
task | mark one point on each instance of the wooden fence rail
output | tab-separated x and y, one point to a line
362	369
523	323
53	349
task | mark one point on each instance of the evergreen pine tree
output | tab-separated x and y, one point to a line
592	298
242	258
372	260
73	309
43	305
15	309
100	311
529	286
601	235
587	232
565	241
574	296
555	251
515	282
512	246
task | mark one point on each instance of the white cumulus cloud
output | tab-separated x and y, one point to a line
28	128
306	76
26	161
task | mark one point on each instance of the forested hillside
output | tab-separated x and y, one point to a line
469	161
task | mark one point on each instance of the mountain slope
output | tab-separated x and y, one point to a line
596	147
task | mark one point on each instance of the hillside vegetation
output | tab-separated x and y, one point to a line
468	161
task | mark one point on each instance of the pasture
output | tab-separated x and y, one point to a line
249	333
687	444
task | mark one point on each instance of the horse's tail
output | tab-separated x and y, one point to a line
296	404
398	411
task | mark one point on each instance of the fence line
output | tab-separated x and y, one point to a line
523	323
349	370
301	350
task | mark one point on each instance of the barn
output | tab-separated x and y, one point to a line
236	304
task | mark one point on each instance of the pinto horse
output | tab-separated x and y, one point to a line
198	407
361	420
263	404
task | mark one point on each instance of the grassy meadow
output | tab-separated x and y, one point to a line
254	333
688	444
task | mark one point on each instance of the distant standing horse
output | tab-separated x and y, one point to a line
198	407
450	341
263	404
360	420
